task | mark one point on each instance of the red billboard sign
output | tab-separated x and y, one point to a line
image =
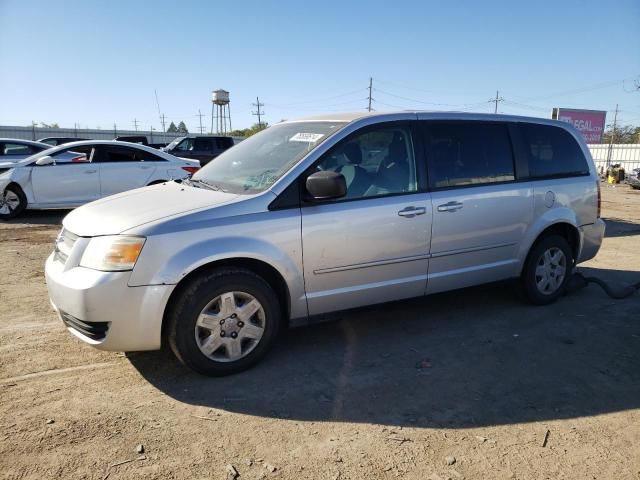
590	123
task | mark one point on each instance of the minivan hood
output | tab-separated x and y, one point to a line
121	212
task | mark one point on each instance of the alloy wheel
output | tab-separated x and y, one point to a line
9	202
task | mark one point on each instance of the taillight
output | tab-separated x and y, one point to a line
191	170
599	198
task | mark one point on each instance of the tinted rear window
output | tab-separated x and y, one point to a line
470	153
224	142
203	144
553	152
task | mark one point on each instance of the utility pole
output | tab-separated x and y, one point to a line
115	130
613	135
370	89
200	115
33	130
496	100
259	113
160	115
151	133
135	124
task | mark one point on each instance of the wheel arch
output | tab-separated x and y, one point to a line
266	271
563	228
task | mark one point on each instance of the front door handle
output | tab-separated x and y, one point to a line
410	212
90	171
450	207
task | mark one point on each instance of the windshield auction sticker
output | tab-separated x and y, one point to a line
306	137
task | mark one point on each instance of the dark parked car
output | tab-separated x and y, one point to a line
55	141
204	148
140	139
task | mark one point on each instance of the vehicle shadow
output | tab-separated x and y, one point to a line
469	358
617	227
40	217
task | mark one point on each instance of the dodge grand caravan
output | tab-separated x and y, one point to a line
325	214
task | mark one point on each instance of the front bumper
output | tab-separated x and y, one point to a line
127	318
591	236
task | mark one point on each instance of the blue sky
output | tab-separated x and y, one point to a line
98	63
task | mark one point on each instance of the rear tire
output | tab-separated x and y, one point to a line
12	202
224	321
547	270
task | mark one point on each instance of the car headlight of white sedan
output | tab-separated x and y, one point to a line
112	253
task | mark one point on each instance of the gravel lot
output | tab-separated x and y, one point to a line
459	385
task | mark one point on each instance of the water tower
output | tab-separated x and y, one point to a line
220	111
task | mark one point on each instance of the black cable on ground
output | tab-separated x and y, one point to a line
579	281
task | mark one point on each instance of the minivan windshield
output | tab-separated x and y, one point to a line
255	164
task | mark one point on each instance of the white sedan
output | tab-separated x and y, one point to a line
76	173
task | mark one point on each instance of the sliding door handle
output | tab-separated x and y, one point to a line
410	212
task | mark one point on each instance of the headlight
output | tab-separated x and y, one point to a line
113	253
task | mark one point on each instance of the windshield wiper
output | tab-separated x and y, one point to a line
208	185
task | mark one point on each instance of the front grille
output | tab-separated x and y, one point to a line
94	330
64	244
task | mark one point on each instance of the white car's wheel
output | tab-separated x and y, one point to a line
12	202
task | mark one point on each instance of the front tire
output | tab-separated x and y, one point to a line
224	321
547	270
12	202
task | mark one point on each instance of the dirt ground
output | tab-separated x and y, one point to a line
459	385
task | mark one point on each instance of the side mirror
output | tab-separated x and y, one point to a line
326	185
41	162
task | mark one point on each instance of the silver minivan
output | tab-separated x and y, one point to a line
326	214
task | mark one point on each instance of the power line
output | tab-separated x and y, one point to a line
422	101
579	90
319	100
406	87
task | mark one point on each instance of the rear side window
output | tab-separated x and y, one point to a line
203	144
471	153
115	154
224	142
553	152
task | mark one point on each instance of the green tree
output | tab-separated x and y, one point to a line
172	128
182	128
247	132
626	134
49	125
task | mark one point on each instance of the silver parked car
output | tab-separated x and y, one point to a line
325	214
13	149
